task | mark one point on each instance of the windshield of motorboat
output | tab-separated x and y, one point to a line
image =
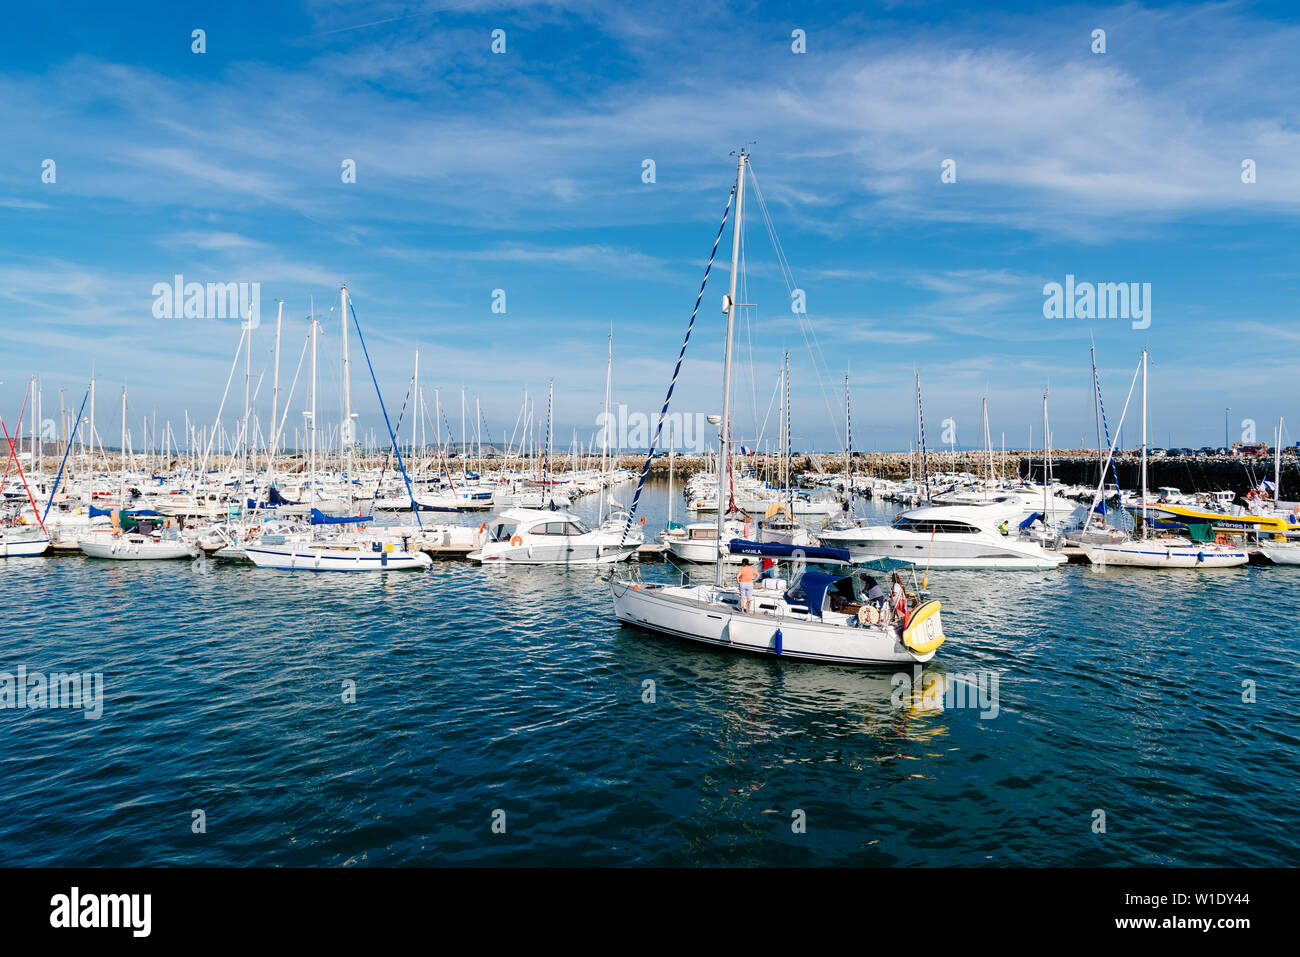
503	531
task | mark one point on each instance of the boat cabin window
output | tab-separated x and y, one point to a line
927	527
555	528
704	533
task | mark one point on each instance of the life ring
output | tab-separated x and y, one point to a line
642	519
517	540
1221	539
1252	496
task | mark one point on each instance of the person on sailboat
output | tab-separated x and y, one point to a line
769	569
872	592
1002	527
898	599
745	579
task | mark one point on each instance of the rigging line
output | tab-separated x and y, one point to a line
815	351
391	435
58	478
388	455
279	431
758	441
748	320
645	469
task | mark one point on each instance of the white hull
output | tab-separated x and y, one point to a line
522	536
943	550
23	549
1282	554
1154	554
126	550
673	611
304	556
556	555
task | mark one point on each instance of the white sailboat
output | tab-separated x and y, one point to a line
1164	551
354	552
146	543
25	544
801	623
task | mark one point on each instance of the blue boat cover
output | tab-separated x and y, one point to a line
1030	520
320	518
813	586
275	498
813	553
134	513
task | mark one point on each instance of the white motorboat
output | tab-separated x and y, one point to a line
697	542
948	536
526	536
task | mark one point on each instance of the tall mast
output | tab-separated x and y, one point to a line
730	306
248	373
786	451
1096	409
848	443
605	457
1277	464
415	424
312	438
987	441
1044	456
345	432
92	430
122	458
275	389
1144	443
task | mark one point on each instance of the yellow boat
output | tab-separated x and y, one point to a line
1219	522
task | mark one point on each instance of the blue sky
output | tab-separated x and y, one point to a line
522	171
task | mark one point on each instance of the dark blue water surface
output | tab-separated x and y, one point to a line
480	690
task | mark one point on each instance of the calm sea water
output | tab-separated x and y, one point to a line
485	690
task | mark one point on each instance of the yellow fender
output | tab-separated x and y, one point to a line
924	631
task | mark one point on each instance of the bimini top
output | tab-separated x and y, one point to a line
813	586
